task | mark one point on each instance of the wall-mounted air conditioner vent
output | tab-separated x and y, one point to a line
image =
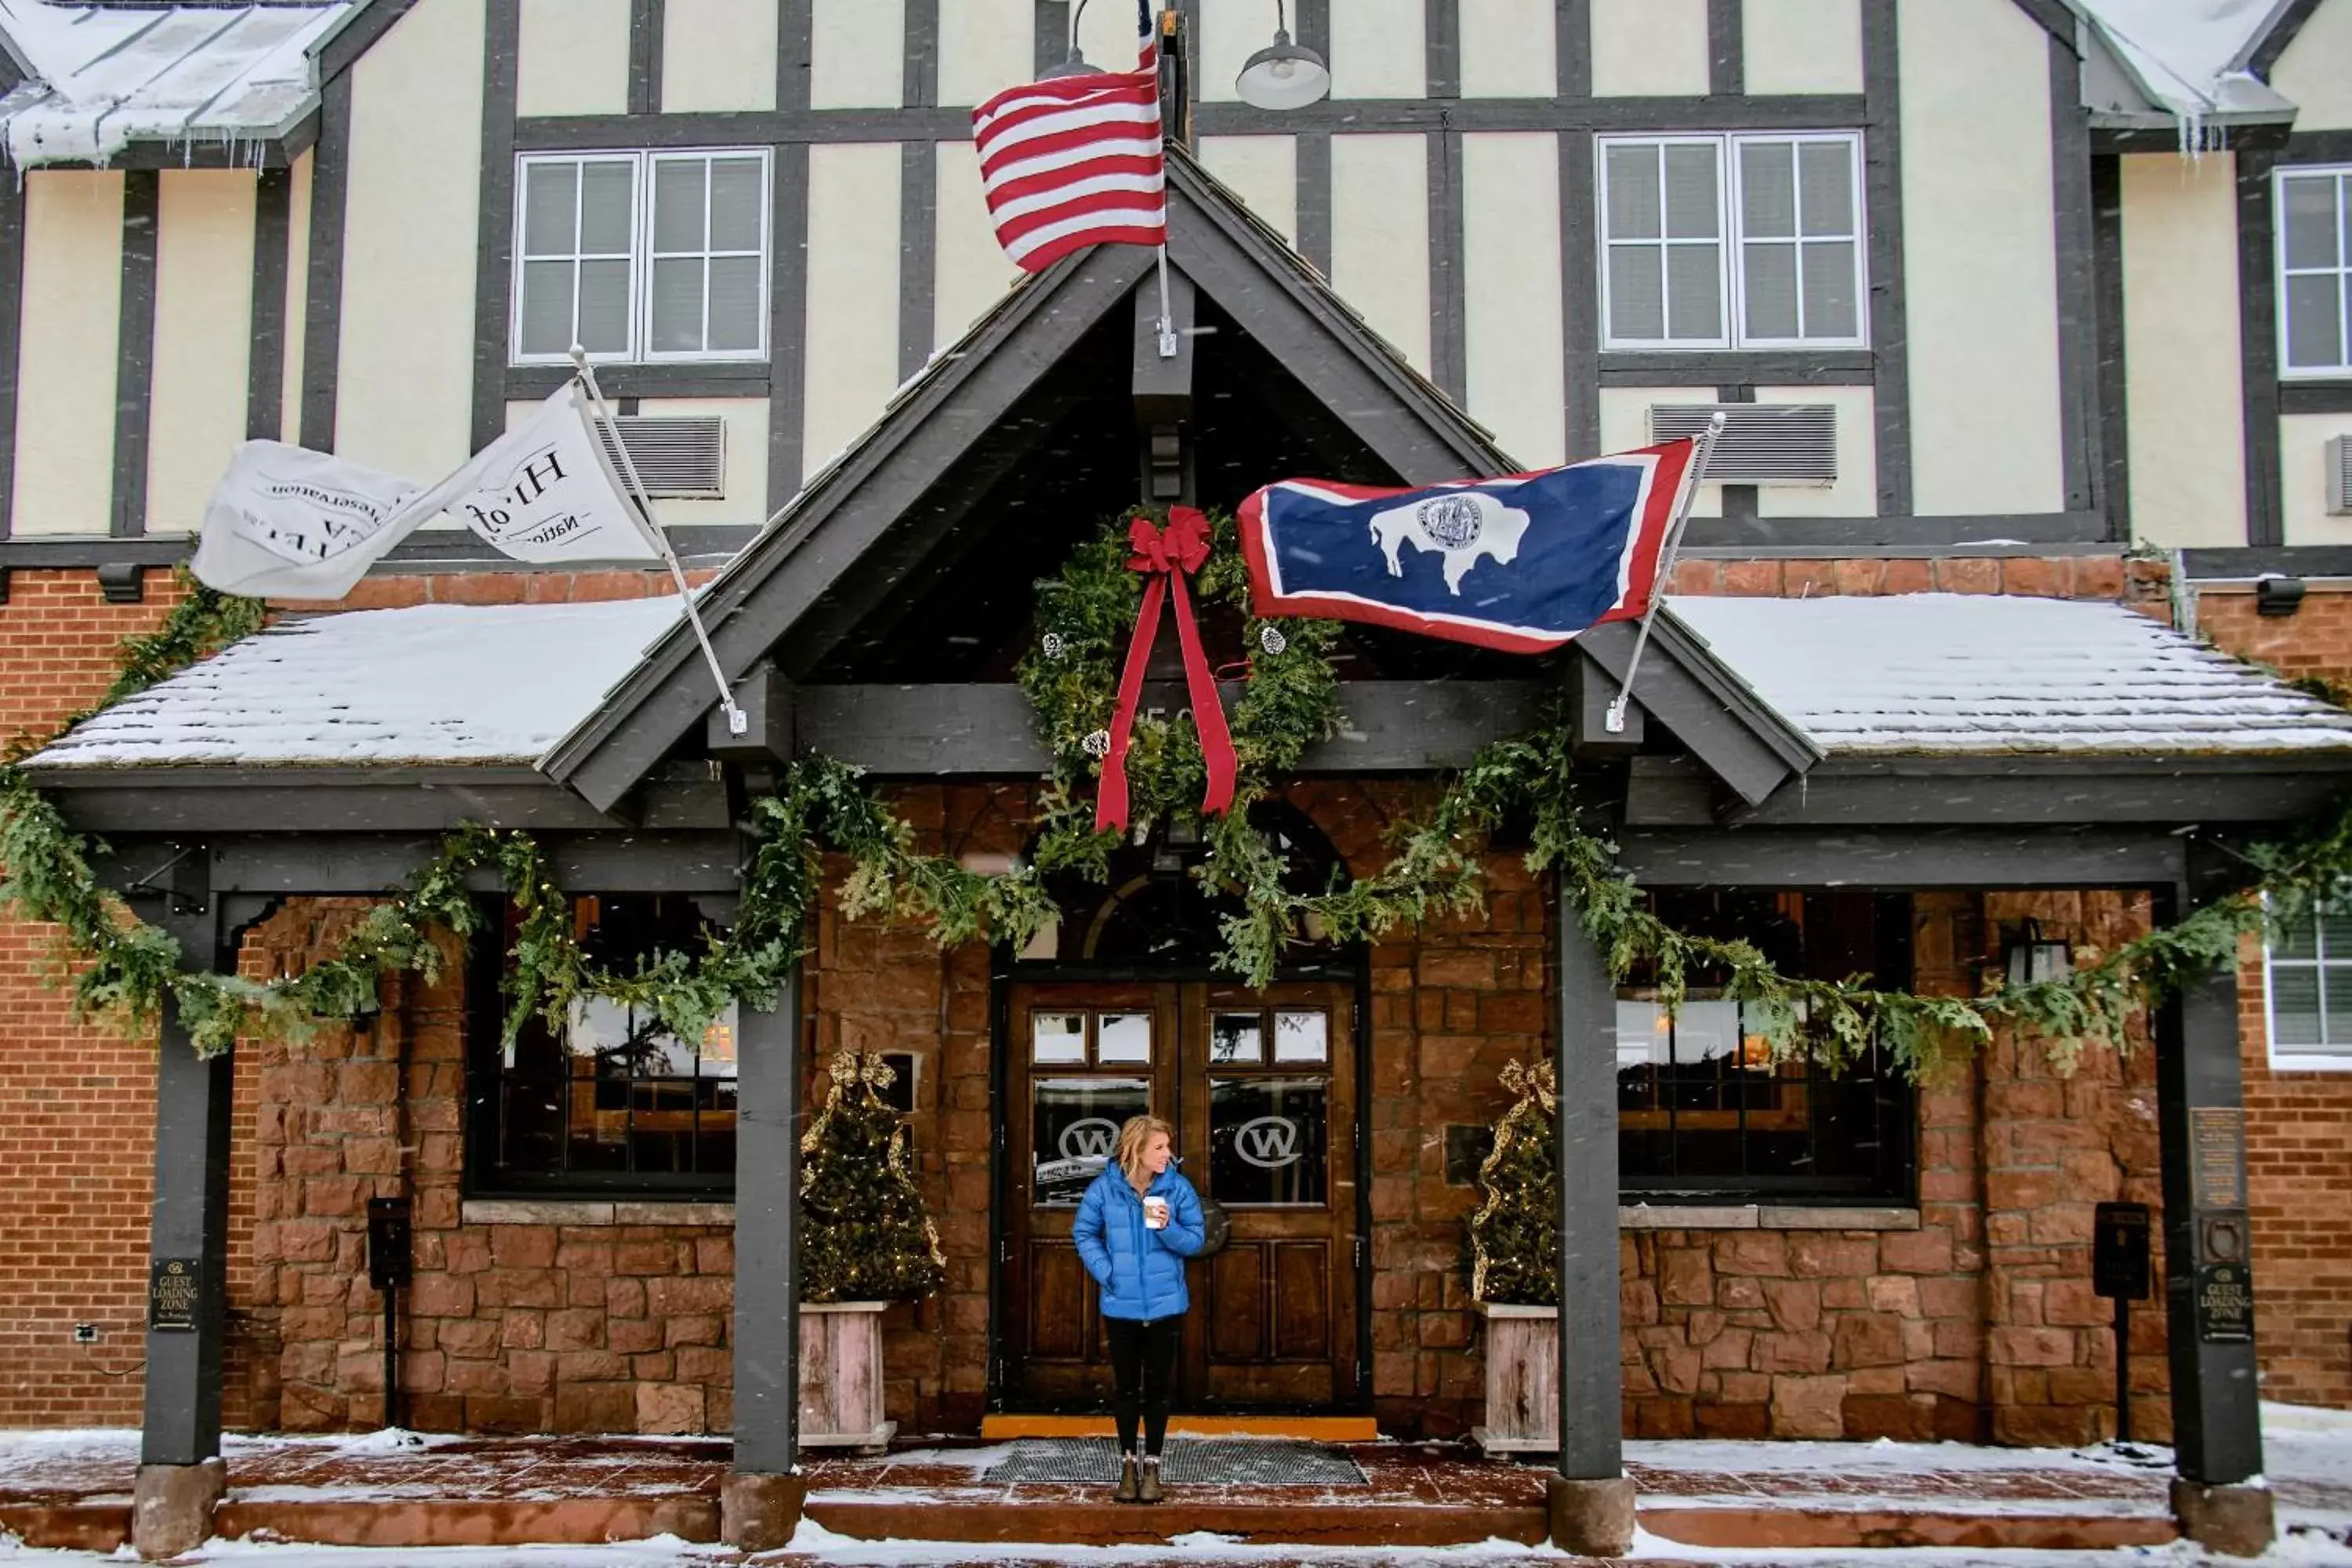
2339	477
677	455
1762	442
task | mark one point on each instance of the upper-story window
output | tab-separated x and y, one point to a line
641	256
2314	252
1732	242
2307	974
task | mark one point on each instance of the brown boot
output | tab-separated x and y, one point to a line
1127	1491
1147	1490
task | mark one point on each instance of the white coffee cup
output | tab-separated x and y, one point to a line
1155	1214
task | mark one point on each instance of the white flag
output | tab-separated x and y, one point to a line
288	522
546	490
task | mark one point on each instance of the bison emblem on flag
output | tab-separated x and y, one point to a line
1522	564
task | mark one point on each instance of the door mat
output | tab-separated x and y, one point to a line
1242	1462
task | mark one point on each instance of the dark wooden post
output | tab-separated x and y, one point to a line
1592	1502
2208	1247
761	1499
180	1472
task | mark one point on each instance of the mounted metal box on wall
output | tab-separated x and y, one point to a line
678	456
2339	475
1762	442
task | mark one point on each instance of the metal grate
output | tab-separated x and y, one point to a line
2339	475
1239	1462
677	455
1762	442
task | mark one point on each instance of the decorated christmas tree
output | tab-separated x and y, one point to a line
1515	1235
865	1234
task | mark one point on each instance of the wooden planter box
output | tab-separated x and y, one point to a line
1522	1379
841	1376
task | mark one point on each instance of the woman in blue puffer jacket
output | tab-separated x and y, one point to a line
1136	1224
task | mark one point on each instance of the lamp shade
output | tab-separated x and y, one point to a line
1075	65
1283	75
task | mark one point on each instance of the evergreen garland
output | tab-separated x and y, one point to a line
1515	1234
869	1237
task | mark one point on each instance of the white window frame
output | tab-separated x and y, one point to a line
2302	1058
2342	174
1731	242
639	351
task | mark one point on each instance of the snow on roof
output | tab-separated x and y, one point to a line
437	683
2189	57
101	77
1959	673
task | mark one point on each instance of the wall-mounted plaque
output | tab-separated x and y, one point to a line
2217	1156
175	1289
2225	1304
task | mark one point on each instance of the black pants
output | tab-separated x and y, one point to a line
1143	1364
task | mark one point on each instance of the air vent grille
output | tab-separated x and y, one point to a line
1762	442
677	455
2339	475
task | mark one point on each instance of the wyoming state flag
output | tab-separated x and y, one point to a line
1521	564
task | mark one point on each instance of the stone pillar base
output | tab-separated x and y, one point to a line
171	1507
759	1513
1591	1518
2236	1522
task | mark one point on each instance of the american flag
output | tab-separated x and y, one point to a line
1076	161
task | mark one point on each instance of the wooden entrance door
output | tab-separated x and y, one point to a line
1261	1087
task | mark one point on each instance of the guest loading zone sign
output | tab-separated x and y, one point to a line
2224	1277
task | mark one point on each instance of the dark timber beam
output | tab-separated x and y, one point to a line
1163	388
1591	1500
180	1472
1744	743
291	866
765	699
761	1499
2208	1247
1935	857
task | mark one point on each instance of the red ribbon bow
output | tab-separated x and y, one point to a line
1165	555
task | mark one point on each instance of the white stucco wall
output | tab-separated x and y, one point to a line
1643	49
204	315
717	55
2182	365
1380	235
1509	49
747	460
1625	424
405	386
857	54
571	57
853	294
1378	49
971	273
67	341
1855	493
2302	479
1978	246
1263	171
2316	72
1800	46
1511	292
985	47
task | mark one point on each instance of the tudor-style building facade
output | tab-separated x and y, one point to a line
1980	279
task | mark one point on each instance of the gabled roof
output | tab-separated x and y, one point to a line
1957	674
99	80
471	684
858	506
2193	65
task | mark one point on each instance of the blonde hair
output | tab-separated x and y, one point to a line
1135	1137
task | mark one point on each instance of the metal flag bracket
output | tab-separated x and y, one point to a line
641	509
1613	720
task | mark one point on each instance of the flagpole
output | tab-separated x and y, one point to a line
641	506
1167	312
1614	721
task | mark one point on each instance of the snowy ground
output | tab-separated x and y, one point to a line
2308	1456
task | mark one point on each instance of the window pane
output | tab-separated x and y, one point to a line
1074	1129
2308	221
549	193
1768	190
1694	207
2315	327
607	197
604	306
1770	281
2296	938
1826	172
546	307
1706	1030
1057	1037
1236	1037
1633	193
1123	1037
678	307
2295	1008
2336	995
677	205
1831	309
1694	291
1302	1037
735	303
1640	1032
1637	310
1267	1140
736	184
